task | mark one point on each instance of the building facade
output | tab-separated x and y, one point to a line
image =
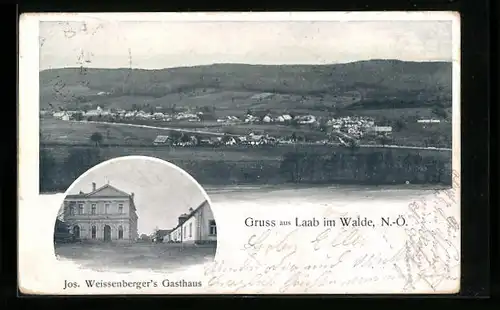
196	227
105	214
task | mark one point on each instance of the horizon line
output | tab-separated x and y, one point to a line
253	64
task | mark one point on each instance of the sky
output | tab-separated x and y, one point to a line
167	44
161	192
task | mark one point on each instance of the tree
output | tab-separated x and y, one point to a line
185	138
399	125
80	160
47	170
226	138
292	165
78	116
175	136
323	127
197	139
157	235
97	138
352	145
434	140
440	112
384	140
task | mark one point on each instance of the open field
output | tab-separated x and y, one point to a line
71	132
398	114
161	257
78	132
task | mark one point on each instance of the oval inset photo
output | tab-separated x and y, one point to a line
133	213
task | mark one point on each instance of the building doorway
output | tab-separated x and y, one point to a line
76	232
107	233
120	232
94	232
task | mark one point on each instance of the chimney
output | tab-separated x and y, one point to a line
93	186
190	210
182	219
132	196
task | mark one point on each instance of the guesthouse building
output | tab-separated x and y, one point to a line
195	227
104	214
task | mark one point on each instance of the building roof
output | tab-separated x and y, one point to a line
190	215
161	139
113	192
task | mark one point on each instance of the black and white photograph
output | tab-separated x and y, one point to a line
326	145
135	212
374	111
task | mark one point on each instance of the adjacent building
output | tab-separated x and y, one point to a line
195	227
380	129
105	214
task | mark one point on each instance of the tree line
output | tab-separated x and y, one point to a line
374	167
344	165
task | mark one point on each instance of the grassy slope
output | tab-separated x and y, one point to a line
229	87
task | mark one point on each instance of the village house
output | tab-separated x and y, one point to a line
428	121
62	115
283	118
158	116
380	130
130	114
267	119
143	115
187	116
104	214
161	235
196	227
228	120
306	119
160	140
251	119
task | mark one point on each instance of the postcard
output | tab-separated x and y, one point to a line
239	153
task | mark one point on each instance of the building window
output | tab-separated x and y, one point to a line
120	232
93	208
71	210
185	231
94	232
80	208
120	208
212	228
190	230
106	208
76	232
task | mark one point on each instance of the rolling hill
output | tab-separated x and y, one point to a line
235	88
